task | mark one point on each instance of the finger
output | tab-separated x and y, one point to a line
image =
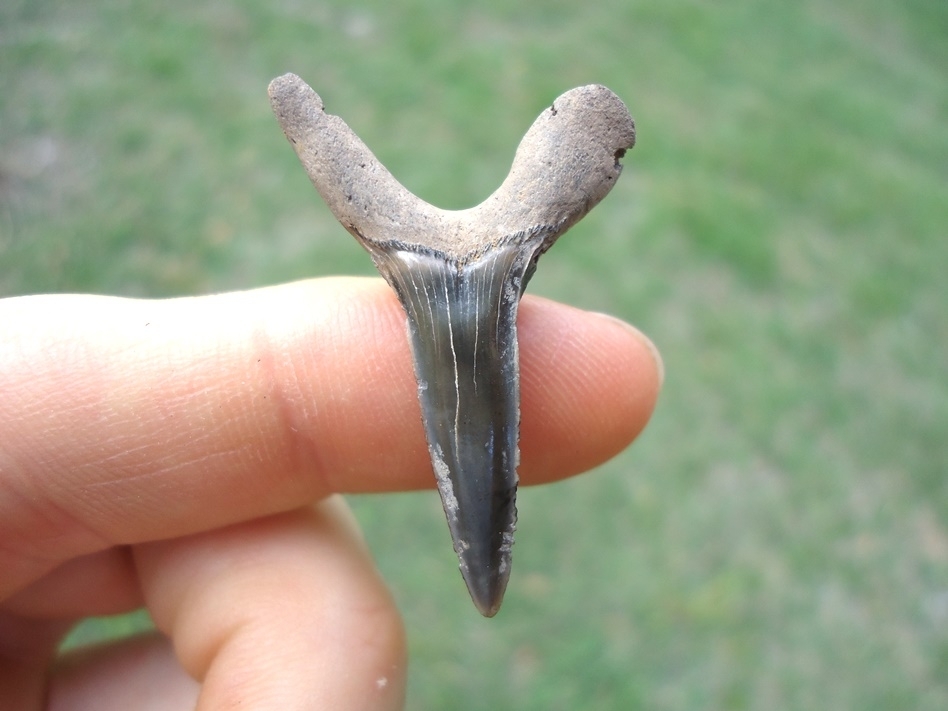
139	673
126	420
100	583
26	646
285	613
590	383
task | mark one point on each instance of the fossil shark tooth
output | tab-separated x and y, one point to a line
459	276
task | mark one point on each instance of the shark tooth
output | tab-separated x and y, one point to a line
459	276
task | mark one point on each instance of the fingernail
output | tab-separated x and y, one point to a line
645	340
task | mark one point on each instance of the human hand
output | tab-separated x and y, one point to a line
166	454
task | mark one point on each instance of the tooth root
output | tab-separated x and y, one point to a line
462	325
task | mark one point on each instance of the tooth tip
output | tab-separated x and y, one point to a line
488	608
486	577
487	593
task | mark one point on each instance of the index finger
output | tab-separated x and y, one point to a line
127	420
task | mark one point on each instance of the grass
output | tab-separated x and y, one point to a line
778	538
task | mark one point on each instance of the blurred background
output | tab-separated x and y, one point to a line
778	537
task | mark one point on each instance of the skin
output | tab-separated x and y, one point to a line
184	455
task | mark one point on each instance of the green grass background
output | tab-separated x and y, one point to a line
778	538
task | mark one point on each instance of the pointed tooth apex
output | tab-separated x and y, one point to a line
462	323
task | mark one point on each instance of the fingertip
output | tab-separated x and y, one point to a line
589	385
641	337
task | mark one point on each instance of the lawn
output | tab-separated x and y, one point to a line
778	537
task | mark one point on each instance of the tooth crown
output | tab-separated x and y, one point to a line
459	276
